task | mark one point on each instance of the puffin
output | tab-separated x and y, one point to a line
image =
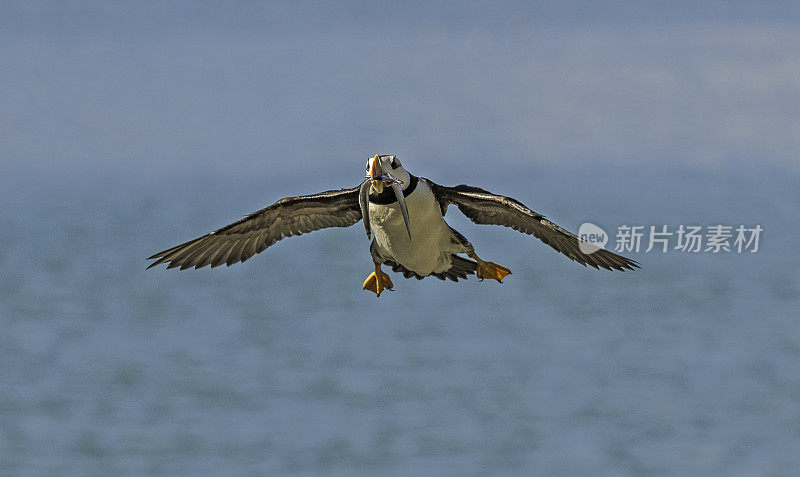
403	217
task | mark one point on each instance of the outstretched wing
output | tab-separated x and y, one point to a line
483	207
251	235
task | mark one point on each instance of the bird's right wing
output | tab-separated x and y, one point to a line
483	207
251	235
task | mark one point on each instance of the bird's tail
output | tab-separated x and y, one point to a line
460	267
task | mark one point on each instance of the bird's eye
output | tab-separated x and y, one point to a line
395	163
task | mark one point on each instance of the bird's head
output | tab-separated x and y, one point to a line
385	170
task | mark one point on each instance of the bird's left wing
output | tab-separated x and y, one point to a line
251	235
483	207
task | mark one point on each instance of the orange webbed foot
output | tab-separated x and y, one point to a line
490	270
378	281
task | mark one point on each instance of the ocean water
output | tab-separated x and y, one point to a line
283	365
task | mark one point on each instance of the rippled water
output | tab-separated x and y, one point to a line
283	364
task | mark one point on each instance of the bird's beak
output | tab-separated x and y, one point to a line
378	177
375	173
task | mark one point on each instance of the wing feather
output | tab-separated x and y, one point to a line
254	233
484	207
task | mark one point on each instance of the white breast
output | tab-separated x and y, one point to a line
427	251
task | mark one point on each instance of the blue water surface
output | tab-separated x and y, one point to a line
283	364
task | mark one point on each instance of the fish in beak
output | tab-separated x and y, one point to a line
378	177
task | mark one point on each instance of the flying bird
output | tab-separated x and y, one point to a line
403	216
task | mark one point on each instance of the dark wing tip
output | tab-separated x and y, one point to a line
158	262
158	256
167	255
632	265
618	262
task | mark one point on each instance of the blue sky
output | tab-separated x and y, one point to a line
137	87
